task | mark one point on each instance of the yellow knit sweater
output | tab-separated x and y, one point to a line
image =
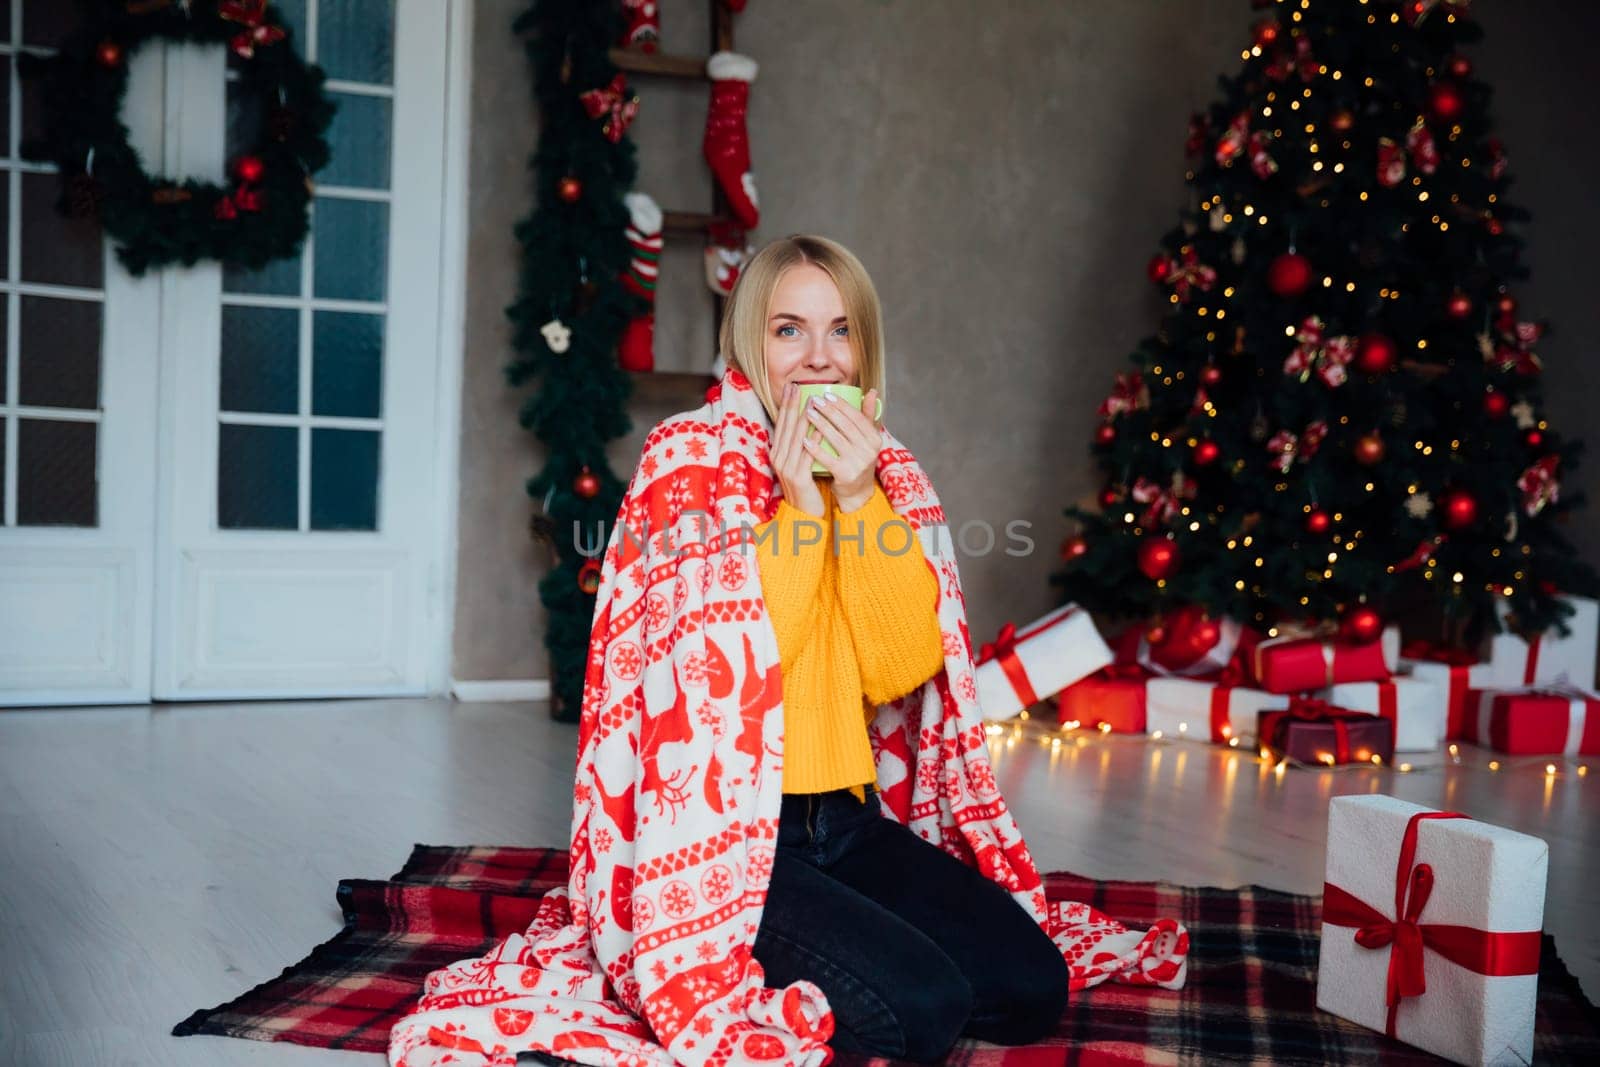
856	628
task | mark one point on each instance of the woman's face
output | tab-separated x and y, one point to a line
807	336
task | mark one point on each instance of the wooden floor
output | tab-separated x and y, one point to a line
158	860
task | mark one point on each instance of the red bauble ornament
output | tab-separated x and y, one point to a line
1342	121
1105	433
1533	439
1445	101
1109	497
569	189
108	54
1158	557
1074	547
1187	634
1460	509
1206	452
1369	449
1318	522
589	577
1458	306
249	168
1458	67
1495	227
1505	305
1265	32
1159	268
1361	625
1495	404
1210	375
1289	274
1376	354
586	484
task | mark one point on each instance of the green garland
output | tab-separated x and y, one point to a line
261	214
569	315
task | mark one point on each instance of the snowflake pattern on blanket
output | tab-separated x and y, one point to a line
644	958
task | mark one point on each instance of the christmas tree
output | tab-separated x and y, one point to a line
1339	415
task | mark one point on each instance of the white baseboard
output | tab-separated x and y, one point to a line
514	690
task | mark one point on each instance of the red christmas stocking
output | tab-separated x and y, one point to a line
727	143
643	31
637	348
726	254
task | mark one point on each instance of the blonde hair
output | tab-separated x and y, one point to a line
743	336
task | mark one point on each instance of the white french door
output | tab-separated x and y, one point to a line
243	502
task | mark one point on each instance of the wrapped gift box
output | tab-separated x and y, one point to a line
1113	696
1549	657
1022	667
1538	722
1416	707
1298	664
1474	892
1456	673
1313	731
1197	709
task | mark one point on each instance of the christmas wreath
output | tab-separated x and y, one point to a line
260	213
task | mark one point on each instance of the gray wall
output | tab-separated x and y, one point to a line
1004	171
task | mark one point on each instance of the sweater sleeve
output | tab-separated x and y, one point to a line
889	599
791	575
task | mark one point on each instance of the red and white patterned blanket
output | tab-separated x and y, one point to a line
644	958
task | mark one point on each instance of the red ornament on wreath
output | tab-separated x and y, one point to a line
1445	101
108	54
1074	547
586	485
1458	306
1494	227
1458	67
1206	452
1376	354
1158	557
1460	509
1495	404
1265	33
1105	433
1289	275
1210	375
249	169
589	577
1533	439
1362	625
1159	269
1318	522
1109	497
1505	306
1369	449
569	189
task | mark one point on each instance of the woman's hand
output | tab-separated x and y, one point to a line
855	436
791	461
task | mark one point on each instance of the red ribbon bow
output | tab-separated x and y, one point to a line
1480	951
614	99
252	13
1004	649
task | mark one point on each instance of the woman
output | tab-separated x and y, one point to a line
912	947
756	876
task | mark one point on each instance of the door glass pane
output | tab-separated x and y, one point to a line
57	250
355	40
60	358
56	466
347	364
352	248
257	477
5	348
5	89
359	141
344	479
261	359
292	13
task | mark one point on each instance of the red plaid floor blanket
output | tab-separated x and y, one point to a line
1251	994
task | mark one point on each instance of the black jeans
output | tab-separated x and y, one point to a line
913	948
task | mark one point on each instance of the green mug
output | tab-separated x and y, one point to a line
850	394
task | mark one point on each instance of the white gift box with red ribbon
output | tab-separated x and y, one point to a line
1199	709
1548	657
1019	668
1416	706
1431	928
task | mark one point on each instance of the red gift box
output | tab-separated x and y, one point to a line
1295	664
1114	696
1454	670
1314	731
1537	722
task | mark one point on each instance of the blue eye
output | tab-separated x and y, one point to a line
786	326
843	331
